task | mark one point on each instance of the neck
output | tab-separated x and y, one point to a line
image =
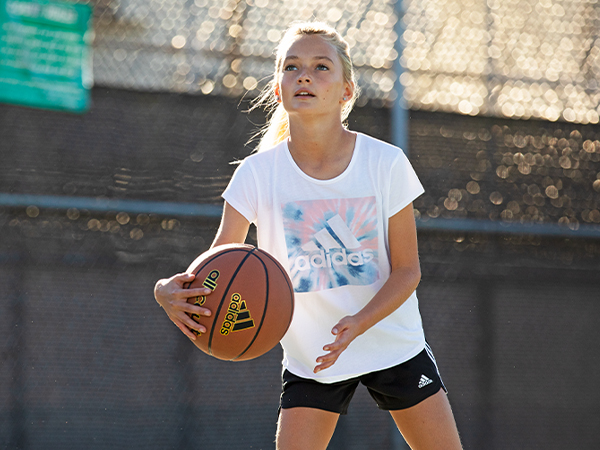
316	139
322	150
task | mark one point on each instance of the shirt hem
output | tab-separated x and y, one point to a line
338	378
401	206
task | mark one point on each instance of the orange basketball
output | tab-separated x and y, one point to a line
252	301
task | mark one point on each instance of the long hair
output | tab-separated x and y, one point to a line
277	126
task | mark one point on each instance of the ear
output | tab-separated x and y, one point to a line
277	92
348	91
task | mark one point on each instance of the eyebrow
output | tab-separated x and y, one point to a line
293	57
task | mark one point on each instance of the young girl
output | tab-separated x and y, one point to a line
335	208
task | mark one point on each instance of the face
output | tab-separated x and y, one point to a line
312	81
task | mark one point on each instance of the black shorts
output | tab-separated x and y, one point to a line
398	387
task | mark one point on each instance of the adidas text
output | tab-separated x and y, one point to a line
237	317
323	260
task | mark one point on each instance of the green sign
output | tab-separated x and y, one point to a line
45	54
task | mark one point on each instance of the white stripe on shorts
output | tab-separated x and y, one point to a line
430	354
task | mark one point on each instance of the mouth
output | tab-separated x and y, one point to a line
303	93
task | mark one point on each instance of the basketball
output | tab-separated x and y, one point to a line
252	301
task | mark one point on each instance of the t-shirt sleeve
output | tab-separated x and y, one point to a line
405	186
242	192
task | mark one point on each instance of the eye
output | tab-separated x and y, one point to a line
289	68
322	67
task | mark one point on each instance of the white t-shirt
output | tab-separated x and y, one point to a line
331	236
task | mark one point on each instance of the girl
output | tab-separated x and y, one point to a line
335	208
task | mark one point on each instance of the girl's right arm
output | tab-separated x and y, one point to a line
169	292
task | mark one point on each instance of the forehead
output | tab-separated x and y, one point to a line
311	46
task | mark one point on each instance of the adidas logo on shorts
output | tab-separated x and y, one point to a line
424	381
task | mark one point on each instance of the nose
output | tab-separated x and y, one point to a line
303	77
304	80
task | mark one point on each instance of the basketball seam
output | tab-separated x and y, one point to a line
262	319
286	277
212	259
199	269
212	330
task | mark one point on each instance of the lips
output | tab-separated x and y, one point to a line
304	93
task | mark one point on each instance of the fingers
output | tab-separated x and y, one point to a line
191	308
181	291
334	350
174	298
344	335
189	323
326	361
187	331
186	309
173	288
184	294
184	277
180	279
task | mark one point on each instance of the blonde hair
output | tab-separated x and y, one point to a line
277	127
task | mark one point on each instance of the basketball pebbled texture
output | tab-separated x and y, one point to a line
252	302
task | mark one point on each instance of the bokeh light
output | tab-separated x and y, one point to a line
521	59
508	171
185	46
525	59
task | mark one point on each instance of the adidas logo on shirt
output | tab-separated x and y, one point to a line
424	381
332	243
334	248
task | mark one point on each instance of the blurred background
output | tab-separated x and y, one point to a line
114	151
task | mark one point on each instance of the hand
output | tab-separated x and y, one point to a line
171	295
345	332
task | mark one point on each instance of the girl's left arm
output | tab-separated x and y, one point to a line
403	280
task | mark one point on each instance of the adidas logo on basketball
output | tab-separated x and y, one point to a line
237	317
333	250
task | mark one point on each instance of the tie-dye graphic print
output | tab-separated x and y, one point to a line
331	243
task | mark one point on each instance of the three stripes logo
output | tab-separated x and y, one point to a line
332	242
211	283
424	381
238	316
336	242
